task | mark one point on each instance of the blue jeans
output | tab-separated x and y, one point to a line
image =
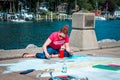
52	51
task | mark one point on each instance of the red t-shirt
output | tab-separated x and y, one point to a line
56	43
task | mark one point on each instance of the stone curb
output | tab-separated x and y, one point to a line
17	53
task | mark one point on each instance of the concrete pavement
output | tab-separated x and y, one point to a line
13	56
106	49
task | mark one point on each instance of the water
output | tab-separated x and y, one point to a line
109	29
20	35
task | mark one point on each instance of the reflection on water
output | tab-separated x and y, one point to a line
20	35
108	29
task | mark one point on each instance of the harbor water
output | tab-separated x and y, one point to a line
20	35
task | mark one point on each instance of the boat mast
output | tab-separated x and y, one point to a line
75	4
96	5
14	9
10	10
106	10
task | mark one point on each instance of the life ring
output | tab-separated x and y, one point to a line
98	12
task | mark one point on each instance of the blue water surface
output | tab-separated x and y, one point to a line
108	29
20	35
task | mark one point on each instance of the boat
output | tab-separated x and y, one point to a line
100	18
98	13
118	17
18	20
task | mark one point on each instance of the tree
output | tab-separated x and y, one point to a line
109	5
85	4
117	3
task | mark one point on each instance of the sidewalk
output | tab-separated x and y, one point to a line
14	56
106	49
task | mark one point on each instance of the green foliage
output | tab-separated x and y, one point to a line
83	4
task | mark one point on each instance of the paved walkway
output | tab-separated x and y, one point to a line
12	56
106	49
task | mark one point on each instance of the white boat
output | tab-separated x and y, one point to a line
100	18
118	17
18	20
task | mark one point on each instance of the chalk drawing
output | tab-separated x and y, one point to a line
80	66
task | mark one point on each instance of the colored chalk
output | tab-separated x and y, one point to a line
115	65
27	71
107	67
76	56
68	77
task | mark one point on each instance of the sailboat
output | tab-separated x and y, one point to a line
18	20
19	15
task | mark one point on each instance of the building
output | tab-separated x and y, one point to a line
117	13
